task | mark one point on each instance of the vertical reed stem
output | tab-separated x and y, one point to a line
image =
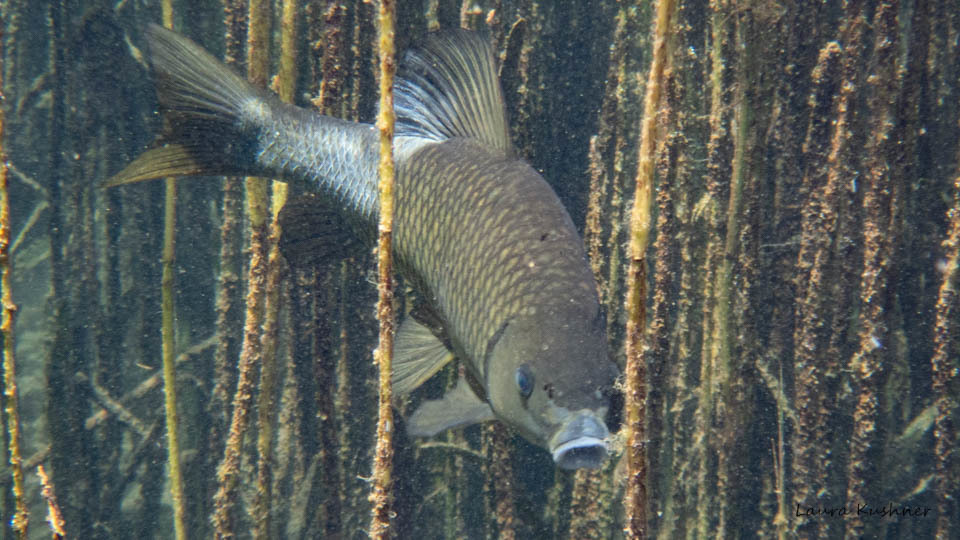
383	464
258	64
867	365
332	69
289	39
266	403
499	484
167	339
54	517
635	499
343	438
722	355
20	519
266	399
945	374
228	308
169	372
828	148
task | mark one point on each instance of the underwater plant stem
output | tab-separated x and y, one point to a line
944	370
828	148
167	339
499	483
166	13
340	431
330	97
780	521
722	356
717	183
585	505
258	65
868	364
599	145
635	500
228	281
169	372
20	518
266	398
289	38
54	517
383	461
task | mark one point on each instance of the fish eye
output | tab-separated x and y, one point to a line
524	381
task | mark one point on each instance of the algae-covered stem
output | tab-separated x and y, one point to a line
266	405
383	460
832	160
167	339
19	523
867	366
228	307
635	499
54	517
945	371
258	65
723	362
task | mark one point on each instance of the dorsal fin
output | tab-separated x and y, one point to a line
448	88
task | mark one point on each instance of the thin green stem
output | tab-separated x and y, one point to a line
168	341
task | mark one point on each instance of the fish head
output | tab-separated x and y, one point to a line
550	377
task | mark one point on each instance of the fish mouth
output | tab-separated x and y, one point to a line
580	442
581	453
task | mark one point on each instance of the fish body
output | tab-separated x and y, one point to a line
484	240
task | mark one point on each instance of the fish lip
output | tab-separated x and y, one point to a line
580	442
581	453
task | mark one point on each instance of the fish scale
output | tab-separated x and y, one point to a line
332	154
488	215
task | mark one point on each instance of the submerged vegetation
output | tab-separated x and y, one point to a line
797	357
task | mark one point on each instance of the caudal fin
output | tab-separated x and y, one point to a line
202	102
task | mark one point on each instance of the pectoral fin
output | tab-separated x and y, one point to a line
459	407
417	356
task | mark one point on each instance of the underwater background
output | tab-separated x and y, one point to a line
801	343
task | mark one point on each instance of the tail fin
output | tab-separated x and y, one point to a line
202	102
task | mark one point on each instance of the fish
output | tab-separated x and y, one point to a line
501	274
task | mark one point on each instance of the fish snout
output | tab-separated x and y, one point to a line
580	442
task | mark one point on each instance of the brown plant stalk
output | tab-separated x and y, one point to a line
944	369
826	179
54	517
9	309
868	364
266	402
635	500
258	64
266	398
383	457
228	286
498	486
228	307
